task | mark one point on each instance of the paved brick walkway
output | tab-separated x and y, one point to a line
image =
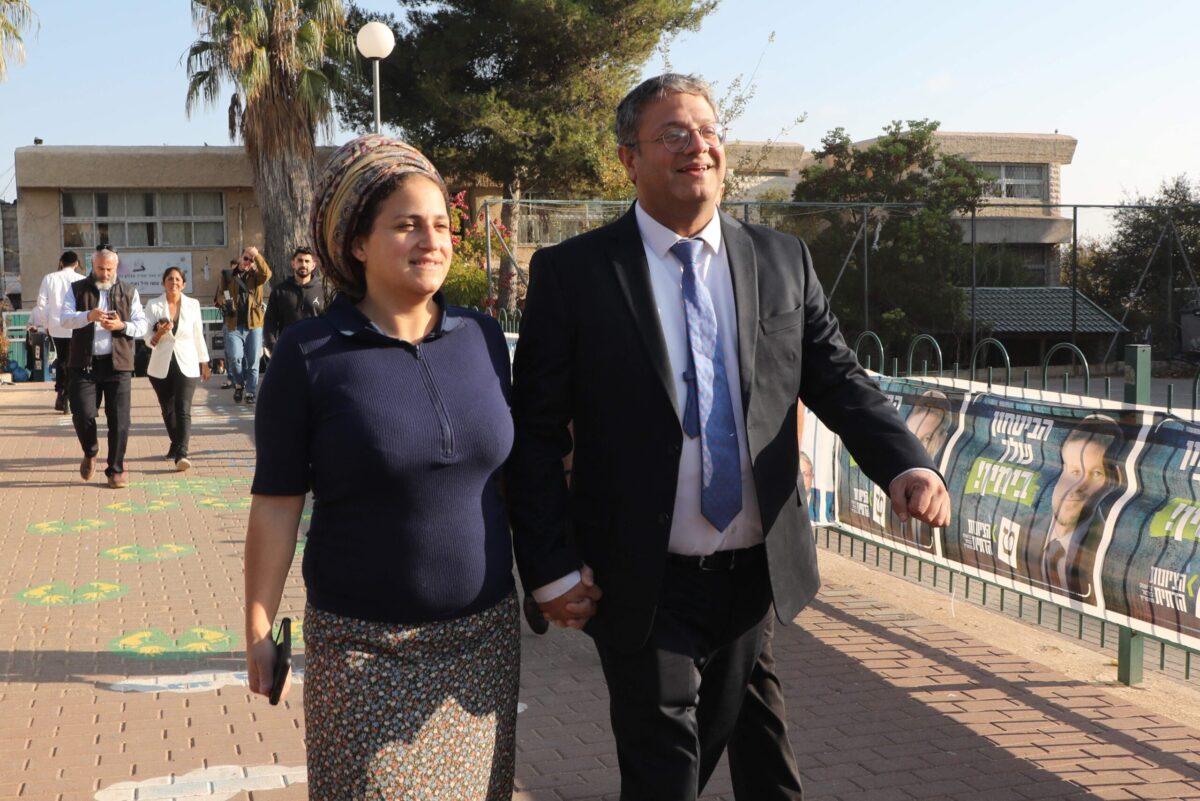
120	617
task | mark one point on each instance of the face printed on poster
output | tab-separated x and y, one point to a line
931	414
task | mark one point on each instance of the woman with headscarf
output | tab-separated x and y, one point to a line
393	410
179	360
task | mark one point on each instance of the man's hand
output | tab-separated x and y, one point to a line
576	606
920	494
205	371
112	322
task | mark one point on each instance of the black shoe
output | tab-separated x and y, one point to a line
249	398
237	395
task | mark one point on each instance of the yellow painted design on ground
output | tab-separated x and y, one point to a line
58	593
224	503
129	507
152	643
139	553
68	526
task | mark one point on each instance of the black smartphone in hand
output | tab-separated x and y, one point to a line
283	660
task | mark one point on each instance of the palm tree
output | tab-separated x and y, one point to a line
282	58
16	17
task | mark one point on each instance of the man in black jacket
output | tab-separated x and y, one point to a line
668	350
299	297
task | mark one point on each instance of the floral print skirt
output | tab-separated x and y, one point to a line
401	712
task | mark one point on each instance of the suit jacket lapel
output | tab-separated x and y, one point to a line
633	276
743	268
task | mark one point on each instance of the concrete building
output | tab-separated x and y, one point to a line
164	204
1027	172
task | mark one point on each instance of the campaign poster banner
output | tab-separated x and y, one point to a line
144	271
1033	487
817	467
1152	566
933	414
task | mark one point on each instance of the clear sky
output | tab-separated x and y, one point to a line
1120	77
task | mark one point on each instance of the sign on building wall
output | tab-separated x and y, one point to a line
144	271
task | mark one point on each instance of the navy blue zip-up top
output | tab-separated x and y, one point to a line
401	445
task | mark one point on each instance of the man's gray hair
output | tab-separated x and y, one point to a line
629	111
105	254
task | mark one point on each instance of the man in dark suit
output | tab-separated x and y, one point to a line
668	349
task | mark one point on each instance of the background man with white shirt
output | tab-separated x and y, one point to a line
668	349
54	289
106	318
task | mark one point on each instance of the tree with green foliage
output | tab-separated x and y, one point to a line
283	59
916	258
522	92
1139	268
16	17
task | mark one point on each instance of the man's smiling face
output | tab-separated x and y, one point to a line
680	190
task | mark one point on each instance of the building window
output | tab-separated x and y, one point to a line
1015	181
143	219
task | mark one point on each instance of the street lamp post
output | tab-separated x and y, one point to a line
375	41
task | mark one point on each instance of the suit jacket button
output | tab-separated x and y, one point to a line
664	519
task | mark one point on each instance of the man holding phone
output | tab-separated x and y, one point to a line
105	317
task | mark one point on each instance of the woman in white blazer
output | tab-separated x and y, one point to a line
179	358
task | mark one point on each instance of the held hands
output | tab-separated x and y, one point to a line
574	608
260	664
109	320
920	494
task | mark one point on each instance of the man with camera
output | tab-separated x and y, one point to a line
301	296
105	316
240	296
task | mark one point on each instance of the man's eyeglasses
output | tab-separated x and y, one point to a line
676	140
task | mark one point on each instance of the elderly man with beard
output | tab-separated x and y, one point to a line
106	318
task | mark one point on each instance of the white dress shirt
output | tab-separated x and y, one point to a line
691	533
55	287
135	327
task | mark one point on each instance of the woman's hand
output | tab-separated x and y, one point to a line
270	547
260	665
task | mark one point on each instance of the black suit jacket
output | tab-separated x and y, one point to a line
592	354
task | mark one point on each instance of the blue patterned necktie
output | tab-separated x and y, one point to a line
709	410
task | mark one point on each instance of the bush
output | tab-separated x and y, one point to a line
466	283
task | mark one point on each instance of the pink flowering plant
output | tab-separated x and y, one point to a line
466	282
